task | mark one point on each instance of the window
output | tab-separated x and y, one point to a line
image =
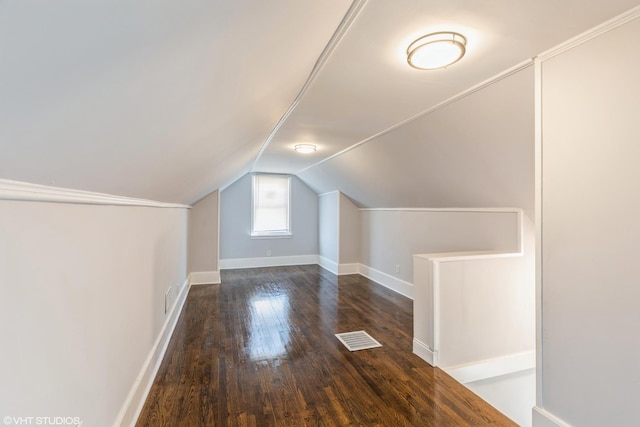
271	206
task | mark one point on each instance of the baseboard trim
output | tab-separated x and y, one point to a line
130	411
542	418
493	367
338	269
348	269
273	261
327	264
388	281
425	353
204	278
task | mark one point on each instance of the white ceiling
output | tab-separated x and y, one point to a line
164	99
170	100
367	87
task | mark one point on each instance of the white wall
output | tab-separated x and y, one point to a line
590	347
474	312
487	309
203	237
82	303
235	225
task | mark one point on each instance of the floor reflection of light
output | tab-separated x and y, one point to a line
269	332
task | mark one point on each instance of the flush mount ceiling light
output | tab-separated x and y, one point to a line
436	50
305	148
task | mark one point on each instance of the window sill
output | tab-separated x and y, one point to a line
272	236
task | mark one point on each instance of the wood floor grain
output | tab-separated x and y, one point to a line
259	350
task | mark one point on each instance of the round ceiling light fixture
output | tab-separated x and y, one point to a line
436	50
305	148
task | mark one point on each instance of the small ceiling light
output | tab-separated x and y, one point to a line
305	148
436	50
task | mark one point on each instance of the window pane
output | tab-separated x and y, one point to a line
270	204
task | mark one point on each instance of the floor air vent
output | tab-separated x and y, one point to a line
359	340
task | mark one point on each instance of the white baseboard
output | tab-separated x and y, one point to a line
204	277
338	269
272	261
425	353
542	418
348	269
388	281
137	396
493	367
327	264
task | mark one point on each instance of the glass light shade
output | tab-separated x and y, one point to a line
305	148
436	50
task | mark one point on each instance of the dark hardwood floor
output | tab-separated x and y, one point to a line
259	350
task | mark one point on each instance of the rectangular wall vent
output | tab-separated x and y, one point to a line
359	340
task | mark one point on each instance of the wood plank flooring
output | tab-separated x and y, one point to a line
259	350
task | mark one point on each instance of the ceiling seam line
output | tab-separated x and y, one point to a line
473	89
334	41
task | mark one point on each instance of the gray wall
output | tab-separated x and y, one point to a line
329	226
590	203
391	237
235	223
350	229
203	234
475	152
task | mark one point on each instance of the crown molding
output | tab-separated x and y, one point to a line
594	32
24	191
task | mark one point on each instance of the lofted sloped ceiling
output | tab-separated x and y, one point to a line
169	100
164	100
388	135
463	154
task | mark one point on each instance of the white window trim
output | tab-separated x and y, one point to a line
270	234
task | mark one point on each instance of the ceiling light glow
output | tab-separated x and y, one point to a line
305	148
436	50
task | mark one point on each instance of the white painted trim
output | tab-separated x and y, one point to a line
338	269
542	418
435	289
538	225
338	214
328	193
492	210
425	353
132	406
272	261
495	79
328	265
493	367
218	233
467	256
353	268
204	278
24	191
388	281
594	32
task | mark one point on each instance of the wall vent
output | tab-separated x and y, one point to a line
359	340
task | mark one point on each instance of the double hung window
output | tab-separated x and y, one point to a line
271	206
